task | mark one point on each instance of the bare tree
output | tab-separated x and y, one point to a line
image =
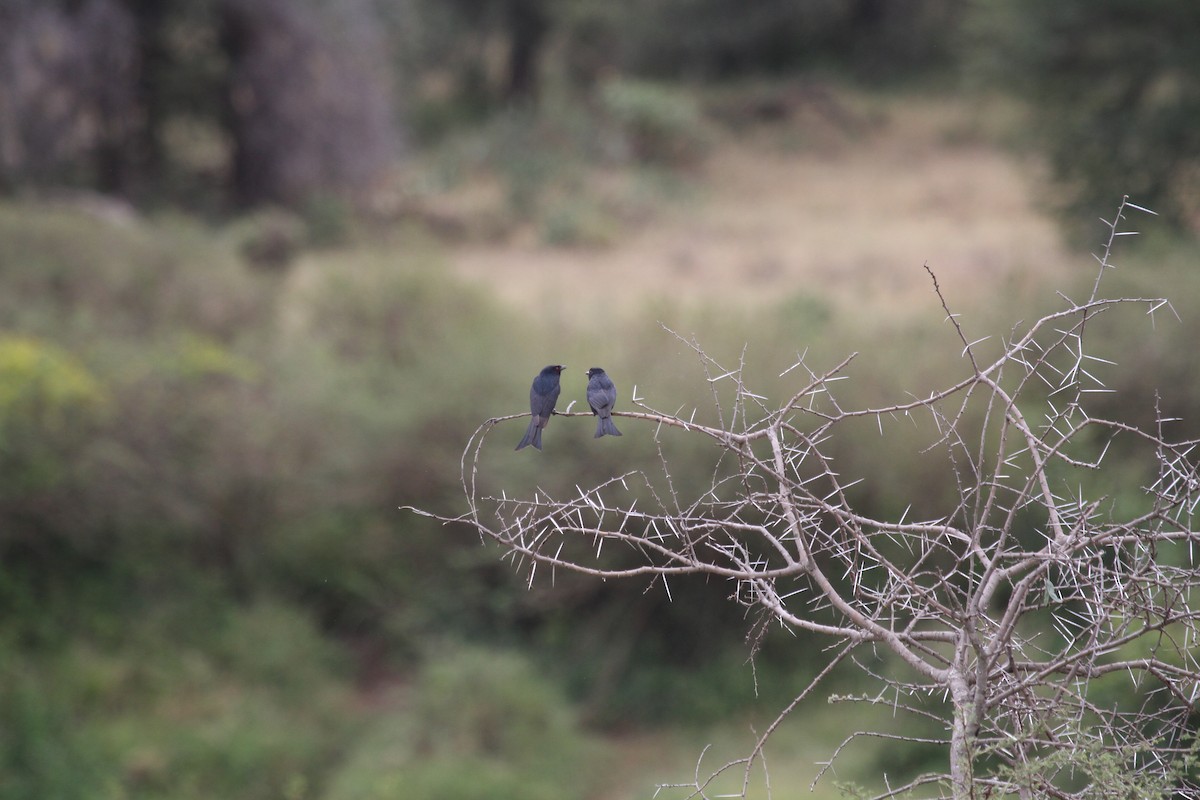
1048	629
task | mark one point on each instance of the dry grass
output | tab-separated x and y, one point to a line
806	206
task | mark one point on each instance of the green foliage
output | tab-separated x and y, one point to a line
456	778
42	753
578	223
274	645
240	706
271	239
42	385
659	124
71	274
384	309
1116	105
720	684
49	400
534	153
1151	370
1096	772
197	357
482	702
576	172
485	724
329	220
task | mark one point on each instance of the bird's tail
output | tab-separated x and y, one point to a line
533	436
605	426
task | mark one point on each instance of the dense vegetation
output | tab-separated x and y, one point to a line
209	418
207	587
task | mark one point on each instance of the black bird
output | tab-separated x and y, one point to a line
542	397
602	395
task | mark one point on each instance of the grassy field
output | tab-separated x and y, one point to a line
793	766
846	201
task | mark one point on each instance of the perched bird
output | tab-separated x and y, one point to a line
602	395
542	397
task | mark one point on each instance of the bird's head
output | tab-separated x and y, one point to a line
594	371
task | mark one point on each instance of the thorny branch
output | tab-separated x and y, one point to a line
1017	613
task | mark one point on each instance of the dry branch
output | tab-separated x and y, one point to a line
1014	614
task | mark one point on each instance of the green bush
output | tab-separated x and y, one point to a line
578	223
484	724
271	239
43	386
43	752
234	703
50	403
329	220
69	274
659	124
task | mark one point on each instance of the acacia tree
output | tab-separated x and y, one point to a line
1049	629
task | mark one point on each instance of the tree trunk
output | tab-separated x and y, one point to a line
527	23
153	58
962	773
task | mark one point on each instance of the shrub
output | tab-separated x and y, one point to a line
42	751
271	239
484	725
659	125
49	401
67	274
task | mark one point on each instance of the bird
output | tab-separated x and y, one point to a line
601	396
543	394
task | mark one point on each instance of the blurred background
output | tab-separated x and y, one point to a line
266	264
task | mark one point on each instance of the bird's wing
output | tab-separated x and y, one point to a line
542	398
